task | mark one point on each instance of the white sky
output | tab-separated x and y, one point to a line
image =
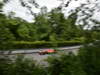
49	3
22	12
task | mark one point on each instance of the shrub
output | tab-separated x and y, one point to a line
43	44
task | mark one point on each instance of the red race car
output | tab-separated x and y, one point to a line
47	51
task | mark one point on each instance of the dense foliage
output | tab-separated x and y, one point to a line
85	62
44	44
48	26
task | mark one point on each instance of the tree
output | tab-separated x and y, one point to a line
22	66
4	65
89	57
6	37
65	65
43	28
56	20
64	29
84	10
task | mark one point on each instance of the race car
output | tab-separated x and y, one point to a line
47	51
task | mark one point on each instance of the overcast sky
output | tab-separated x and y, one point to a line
22	12
14	5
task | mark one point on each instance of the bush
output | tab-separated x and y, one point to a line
6	38
20	66
90	58
68	43
43	44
